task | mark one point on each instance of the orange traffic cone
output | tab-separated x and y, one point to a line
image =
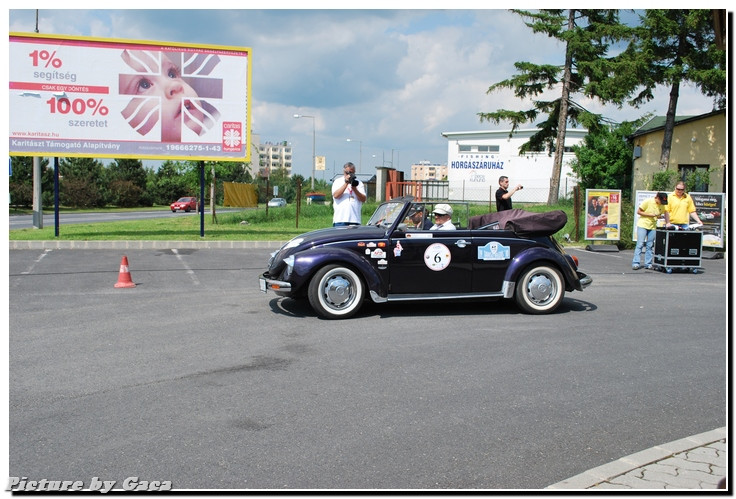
124	280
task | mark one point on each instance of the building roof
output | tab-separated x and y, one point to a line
658	122
520	132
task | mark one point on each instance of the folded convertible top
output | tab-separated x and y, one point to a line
523	223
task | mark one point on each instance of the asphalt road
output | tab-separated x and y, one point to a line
196	377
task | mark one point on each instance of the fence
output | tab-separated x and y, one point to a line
422	190
440	190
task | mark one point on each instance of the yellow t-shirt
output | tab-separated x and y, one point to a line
650	207
680	208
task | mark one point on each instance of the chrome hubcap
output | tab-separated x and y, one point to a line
338	291
540	288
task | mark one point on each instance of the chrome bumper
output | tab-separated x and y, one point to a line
585	279
267	283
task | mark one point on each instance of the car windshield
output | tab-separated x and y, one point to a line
386	213
183	200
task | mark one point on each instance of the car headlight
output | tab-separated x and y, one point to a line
289	261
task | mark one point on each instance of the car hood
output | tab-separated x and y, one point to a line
334	234
323	237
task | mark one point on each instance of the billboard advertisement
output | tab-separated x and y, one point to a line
602	214
92	97
709	207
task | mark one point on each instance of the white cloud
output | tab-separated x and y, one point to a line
393	80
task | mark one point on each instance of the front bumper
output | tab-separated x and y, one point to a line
281	287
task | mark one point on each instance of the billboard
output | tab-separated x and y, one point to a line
602	214
92	97
708	205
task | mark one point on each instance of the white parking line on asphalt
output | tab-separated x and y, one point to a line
184	264
30	269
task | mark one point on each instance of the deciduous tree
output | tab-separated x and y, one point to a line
671	47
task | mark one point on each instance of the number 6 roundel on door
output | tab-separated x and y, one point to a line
437	256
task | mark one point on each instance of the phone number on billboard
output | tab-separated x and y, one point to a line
192	147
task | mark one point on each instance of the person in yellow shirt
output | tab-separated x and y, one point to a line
681	207
649	211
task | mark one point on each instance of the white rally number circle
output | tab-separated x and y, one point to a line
437	256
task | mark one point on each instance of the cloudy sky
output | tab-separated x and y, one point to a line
390	80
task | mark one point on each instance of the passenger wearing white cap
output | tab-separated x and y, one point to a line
442	217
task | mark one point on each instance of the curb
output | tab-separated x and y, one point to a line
626	464
25	245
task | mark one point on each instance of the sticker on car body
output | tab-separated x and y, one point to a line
378	253
437	257
494	251
398	249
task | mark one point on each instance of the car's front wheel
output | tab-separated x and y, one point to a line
336	292
540	290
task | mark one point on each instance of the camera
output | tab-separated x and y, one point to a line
352	180
521	187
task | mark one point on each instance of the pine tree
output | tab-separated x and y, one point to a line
586	35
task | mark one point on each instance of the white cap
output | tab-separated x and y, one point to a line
443	209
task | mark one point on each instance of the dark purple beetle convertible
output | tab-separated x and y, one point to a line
509	254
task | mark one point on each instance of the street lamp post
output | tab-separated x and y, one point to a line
314	134
360	145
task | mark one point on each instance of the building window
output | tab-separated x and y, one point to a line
700	172
464	148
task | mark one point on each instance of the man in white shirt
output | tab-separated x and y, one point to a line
348	195
442	217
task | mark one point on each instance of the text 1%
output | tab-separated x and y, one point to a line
45	57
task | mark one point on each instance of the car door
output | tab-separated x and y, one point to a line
493	253
430	262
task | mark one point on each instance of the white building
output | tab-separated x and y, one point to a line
272	157
475	161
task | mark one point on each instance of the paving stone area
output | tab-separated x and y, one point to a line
697	462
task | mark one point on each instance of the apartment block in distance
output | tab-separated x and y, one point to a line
273	156
424	170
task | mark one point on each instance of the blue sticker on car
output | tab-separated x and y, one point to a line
494	251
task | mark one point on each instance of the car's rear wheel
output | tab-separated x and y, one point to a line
336	292
540	290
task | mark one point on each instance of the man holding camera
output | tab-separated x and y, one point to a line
503	195
349	195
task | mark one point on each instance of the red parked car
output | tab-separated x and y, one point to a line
186	204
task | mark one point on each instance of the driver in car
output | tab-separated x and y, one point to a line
419	221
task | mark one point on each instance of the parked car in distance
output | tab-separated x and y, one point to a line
277	203
504	255
185	204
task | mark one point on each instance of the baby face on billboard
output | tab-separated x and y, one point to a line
159	86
